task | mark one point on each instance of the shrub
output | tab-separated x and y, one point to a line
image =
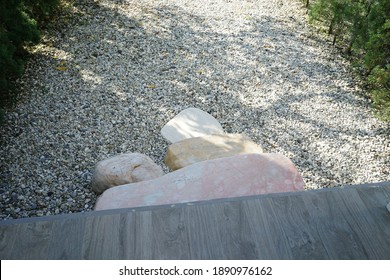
364	27
18	27
41	10
380	82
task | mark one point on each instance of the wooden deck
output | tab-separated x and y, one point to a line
341	223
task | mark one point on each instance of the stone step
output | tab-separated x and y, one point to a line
191	122
241	175
193	150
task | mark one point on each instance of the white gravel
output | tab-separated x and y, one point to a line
109	80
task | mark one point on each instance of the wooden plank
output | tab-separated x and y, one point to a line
204	236
367	223
342	223
8	236
220	231
119	236
236	238
101	237
297	227
144	246
336	234
68	232
264	231
127	236
31	241
170	234
375	201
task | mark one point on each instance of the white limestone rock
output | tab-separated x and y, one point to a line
124	169
191	122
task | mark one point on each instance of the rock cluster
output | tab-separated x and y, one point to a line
237	176
211	167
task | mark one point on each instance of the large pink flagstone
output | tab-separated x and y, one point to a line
241	175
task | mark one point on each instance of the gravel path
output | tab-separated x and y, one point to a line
110	80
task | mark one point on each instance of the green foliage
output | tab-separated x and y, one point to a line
380	81
41	10
363	28
306	2
378	45
18	27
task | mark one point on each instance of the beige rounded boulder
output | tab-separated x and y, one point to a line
124	169
192	150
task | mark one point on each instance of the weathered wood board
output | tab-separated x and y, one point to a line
340	223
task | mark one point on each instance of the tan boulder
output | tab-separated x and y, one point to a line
192	150
123	169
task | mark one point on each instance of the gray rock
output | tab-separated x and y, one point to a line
123	169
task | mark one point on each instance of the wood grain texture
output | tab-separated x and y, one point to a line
8	236
262	224
32	241
340	223
66	240
204	233
170	234
367	220
338	237
297	228
102	238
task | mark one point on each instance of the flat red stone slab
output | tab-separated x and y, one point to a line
241	175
